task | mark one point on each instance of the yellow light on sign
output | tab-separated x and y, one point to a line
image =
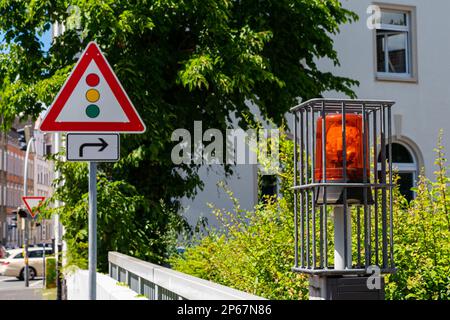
92	95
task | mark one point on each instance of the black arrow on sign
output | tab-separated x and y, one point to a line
102	146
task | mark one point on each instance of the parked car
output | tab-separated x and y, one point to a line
40	245
13	265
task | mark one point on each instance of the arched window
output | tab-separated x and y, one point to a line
404	162
268	186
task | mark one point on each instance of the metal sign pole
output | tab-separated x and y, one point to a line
25	193
43	262
104	146
92	230
56	223
27	269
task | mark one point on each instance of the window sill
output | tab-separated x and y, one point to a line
393	78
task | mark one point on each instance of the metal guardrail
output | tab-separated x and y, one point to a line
160	283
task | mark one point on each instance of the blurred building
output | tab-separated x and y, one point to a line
40	177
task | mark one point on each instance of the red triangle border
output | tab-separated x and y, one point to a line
30	211
92	52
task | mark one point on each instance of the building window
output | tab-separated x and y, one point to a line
394	47
405	164
268	187
48	149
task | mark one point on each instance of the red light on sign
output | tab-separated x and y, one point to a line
334	149
92	79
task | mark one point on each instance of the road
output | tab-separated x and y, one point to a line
13	289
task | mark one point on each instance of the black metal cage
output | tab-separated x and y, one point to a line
367	202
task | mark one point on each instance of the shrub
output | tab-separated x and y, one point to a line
422	239
253	251
50	272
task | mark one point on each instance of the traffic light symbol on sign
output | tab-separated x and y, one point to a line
92	100
92	96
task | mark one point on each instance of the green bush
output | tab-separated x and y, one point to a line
50	272
254	250
255	255
422	239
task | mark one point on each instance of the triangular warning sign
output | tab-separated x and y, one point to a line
92	100
32	204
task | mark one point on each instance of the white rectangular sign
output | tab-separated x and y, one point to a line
101	147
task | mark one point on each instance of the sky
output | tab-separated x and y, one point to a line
46	39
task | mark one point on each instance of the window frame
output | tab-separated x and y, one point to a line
275	186
406	167
411	47
39	254
18	255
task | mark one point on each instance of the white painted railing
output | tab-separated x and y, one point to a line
160	283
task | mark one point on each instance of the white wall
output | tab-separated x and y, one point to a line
243	183
107	288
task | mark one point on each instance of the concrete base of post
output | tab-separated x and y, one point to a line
344	288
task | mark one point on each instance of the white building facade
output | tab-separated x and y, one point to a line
43	178
399	54
397	50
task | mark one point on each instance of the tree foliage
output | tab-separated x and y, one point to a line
124	224
179	61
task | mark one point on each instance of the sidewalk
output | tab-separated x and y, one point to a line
22	294
12	289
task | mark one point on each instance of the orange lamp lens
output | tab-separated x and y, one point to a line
334	149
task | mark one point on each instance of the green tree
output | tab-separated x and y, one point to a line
179	61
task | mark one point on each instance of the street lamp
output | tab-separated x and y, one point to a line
337	173
26	140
